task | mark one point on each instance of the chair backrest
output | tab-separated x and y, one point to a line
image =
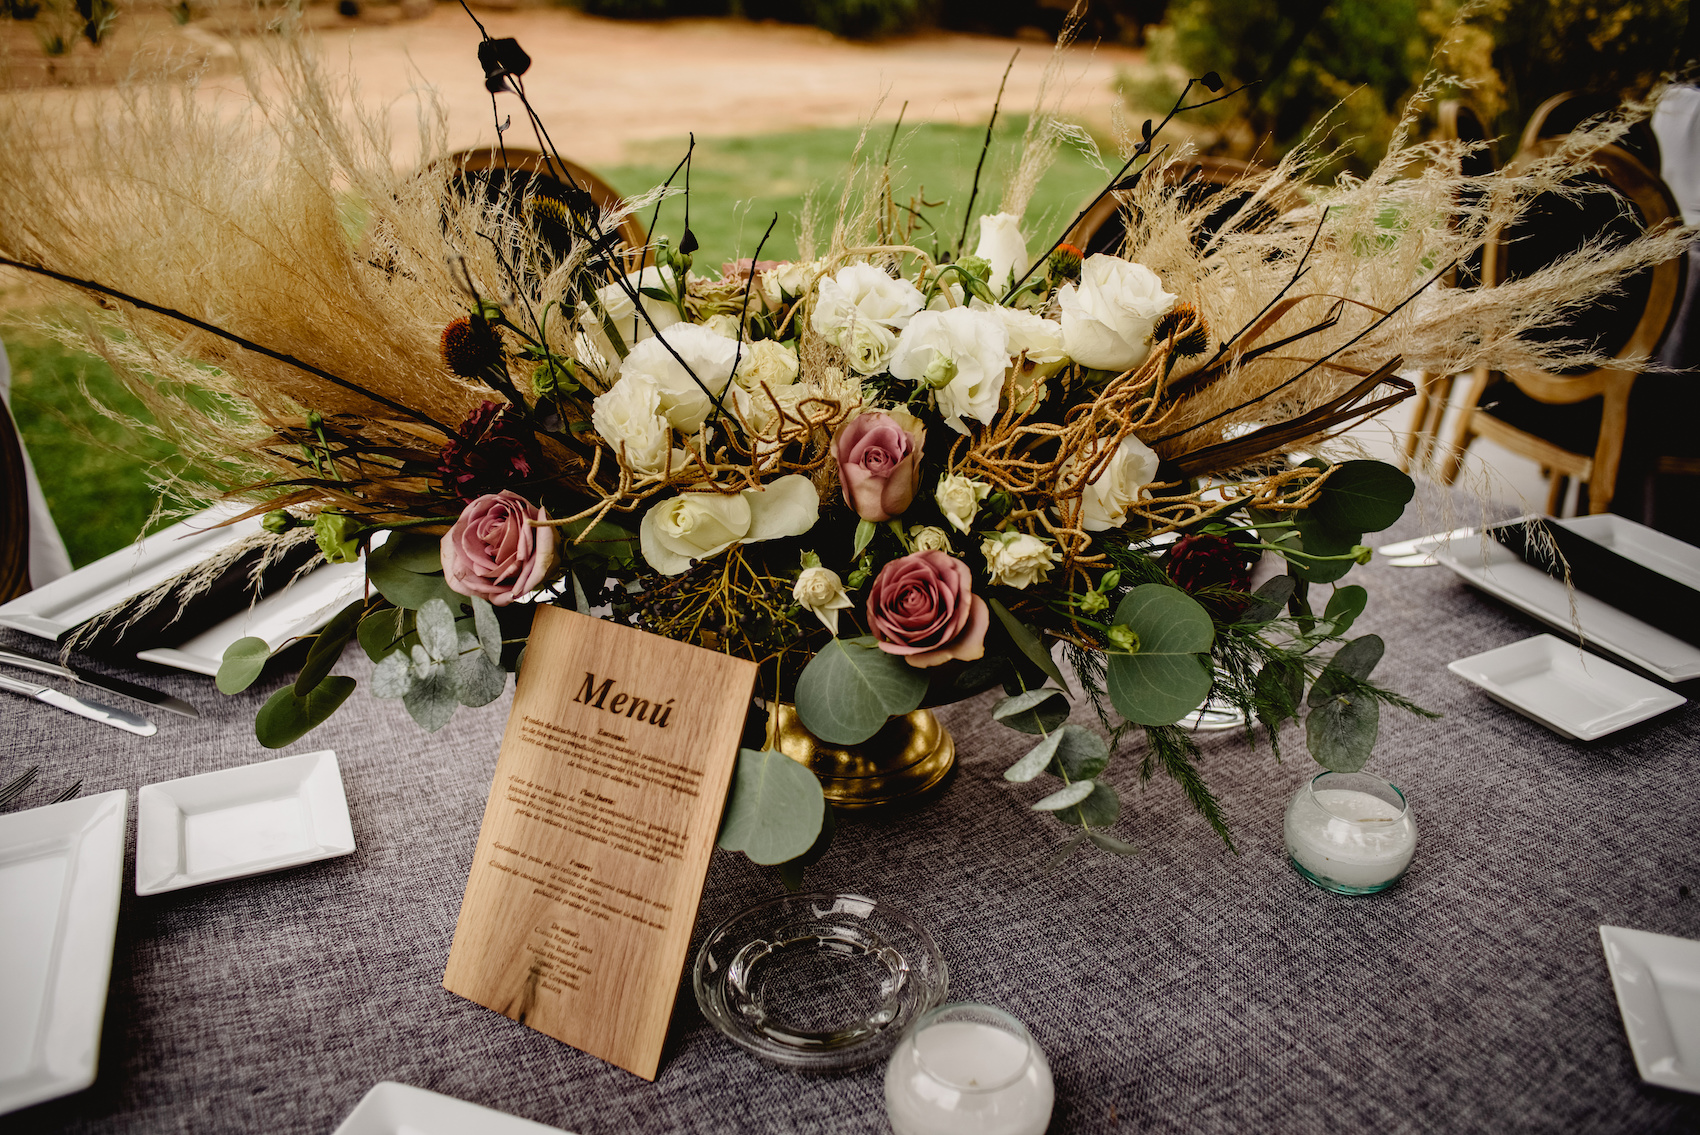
1226	183
1462	122
1563	113
14	513
1629	324
497	172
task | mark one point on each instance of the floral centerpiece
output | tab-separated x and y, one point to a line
893	472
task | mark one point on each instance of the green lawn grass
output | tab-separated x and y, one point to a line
95	472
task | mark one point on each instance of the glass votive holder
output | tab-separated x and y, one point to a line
968	1069
1350	832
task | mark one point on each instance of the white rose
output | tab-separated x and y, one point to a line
869	345
861	294
628	417
617	305
1040	339
694	526
786	280
769	362
1017	559
927	538
724	325
1107	322
962	354
684	402
1003	247
1107	497
959	499
819	591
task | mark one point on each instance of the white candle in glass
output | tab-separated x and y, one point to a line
1350	832
968	1070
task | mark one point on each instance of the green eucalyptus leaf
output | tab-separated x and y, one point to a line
385	630
392	676
1099	810
1362	496
1340	732
286	718
1280	690
478	681
489	630
1081	753
603	543
432	699
1344	607
401	585
848	691
243	661
1270	600
412	551
328	646
1044	717
1111	844
1030	645
1318	539
1169	674
1066	797
1022	702
437	632
1356	659
1036	759
776	809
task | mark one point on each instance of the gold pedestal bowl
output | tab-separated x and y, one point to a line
903	765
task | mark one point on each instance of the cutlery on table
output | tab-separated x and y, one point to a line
69	793
16	787
70	703
1403	548
1421	559
100	681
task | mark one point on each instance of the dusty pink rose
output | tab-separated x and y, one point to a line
879	462
923	608
491	551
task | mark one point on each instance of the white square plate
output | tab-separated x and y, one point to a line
1657	979
1577	695
240	821
61	871
397	1109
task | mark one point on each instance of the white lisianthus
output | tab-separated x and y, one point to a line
1040	339
959	499
693	526
962	354
949	296
869	345
819	591
1108	321
617	305
1108	496
787	280
709	357
766	361
1018	559
725	325
927	538
1003	247
628	417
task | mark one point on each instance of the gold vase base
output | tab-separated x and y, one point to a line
904	765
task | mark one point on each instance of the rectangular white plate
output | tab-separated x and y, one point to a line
397	1109
1501	573
61	871
240	821
1657	979
1646	546
299	609
1577	695
54	608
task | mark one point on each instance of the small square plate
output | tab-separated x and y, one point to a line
397	1109
240	821
1577	695
1657	979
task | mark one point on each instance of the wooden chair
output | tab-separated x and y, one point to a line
1563	113
1460	122
497	172
1549	416
14	513
1226	182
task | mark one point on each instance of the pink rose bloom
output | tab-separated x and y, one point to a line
921	607
491	551
879	462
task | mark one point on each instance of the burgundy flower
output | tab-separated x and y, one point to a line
922	607
492	551
492	450
879	463
1197	563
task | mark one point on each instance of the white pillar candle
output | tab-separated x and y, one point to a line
1351	832
968	1070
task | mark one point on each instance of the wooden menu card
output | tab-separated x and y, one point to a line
596	838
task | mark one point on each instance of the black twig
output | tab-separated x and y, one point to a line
984	147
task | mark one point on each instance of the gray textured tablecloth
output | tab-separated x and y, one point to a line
1188	989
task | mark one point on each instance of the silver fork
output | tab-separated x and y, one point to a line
17	787
70	793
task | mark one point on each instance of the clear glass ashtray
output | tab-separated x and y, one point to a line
819	982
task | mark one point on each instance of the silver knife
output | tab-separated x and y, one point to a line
94	711
100	681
